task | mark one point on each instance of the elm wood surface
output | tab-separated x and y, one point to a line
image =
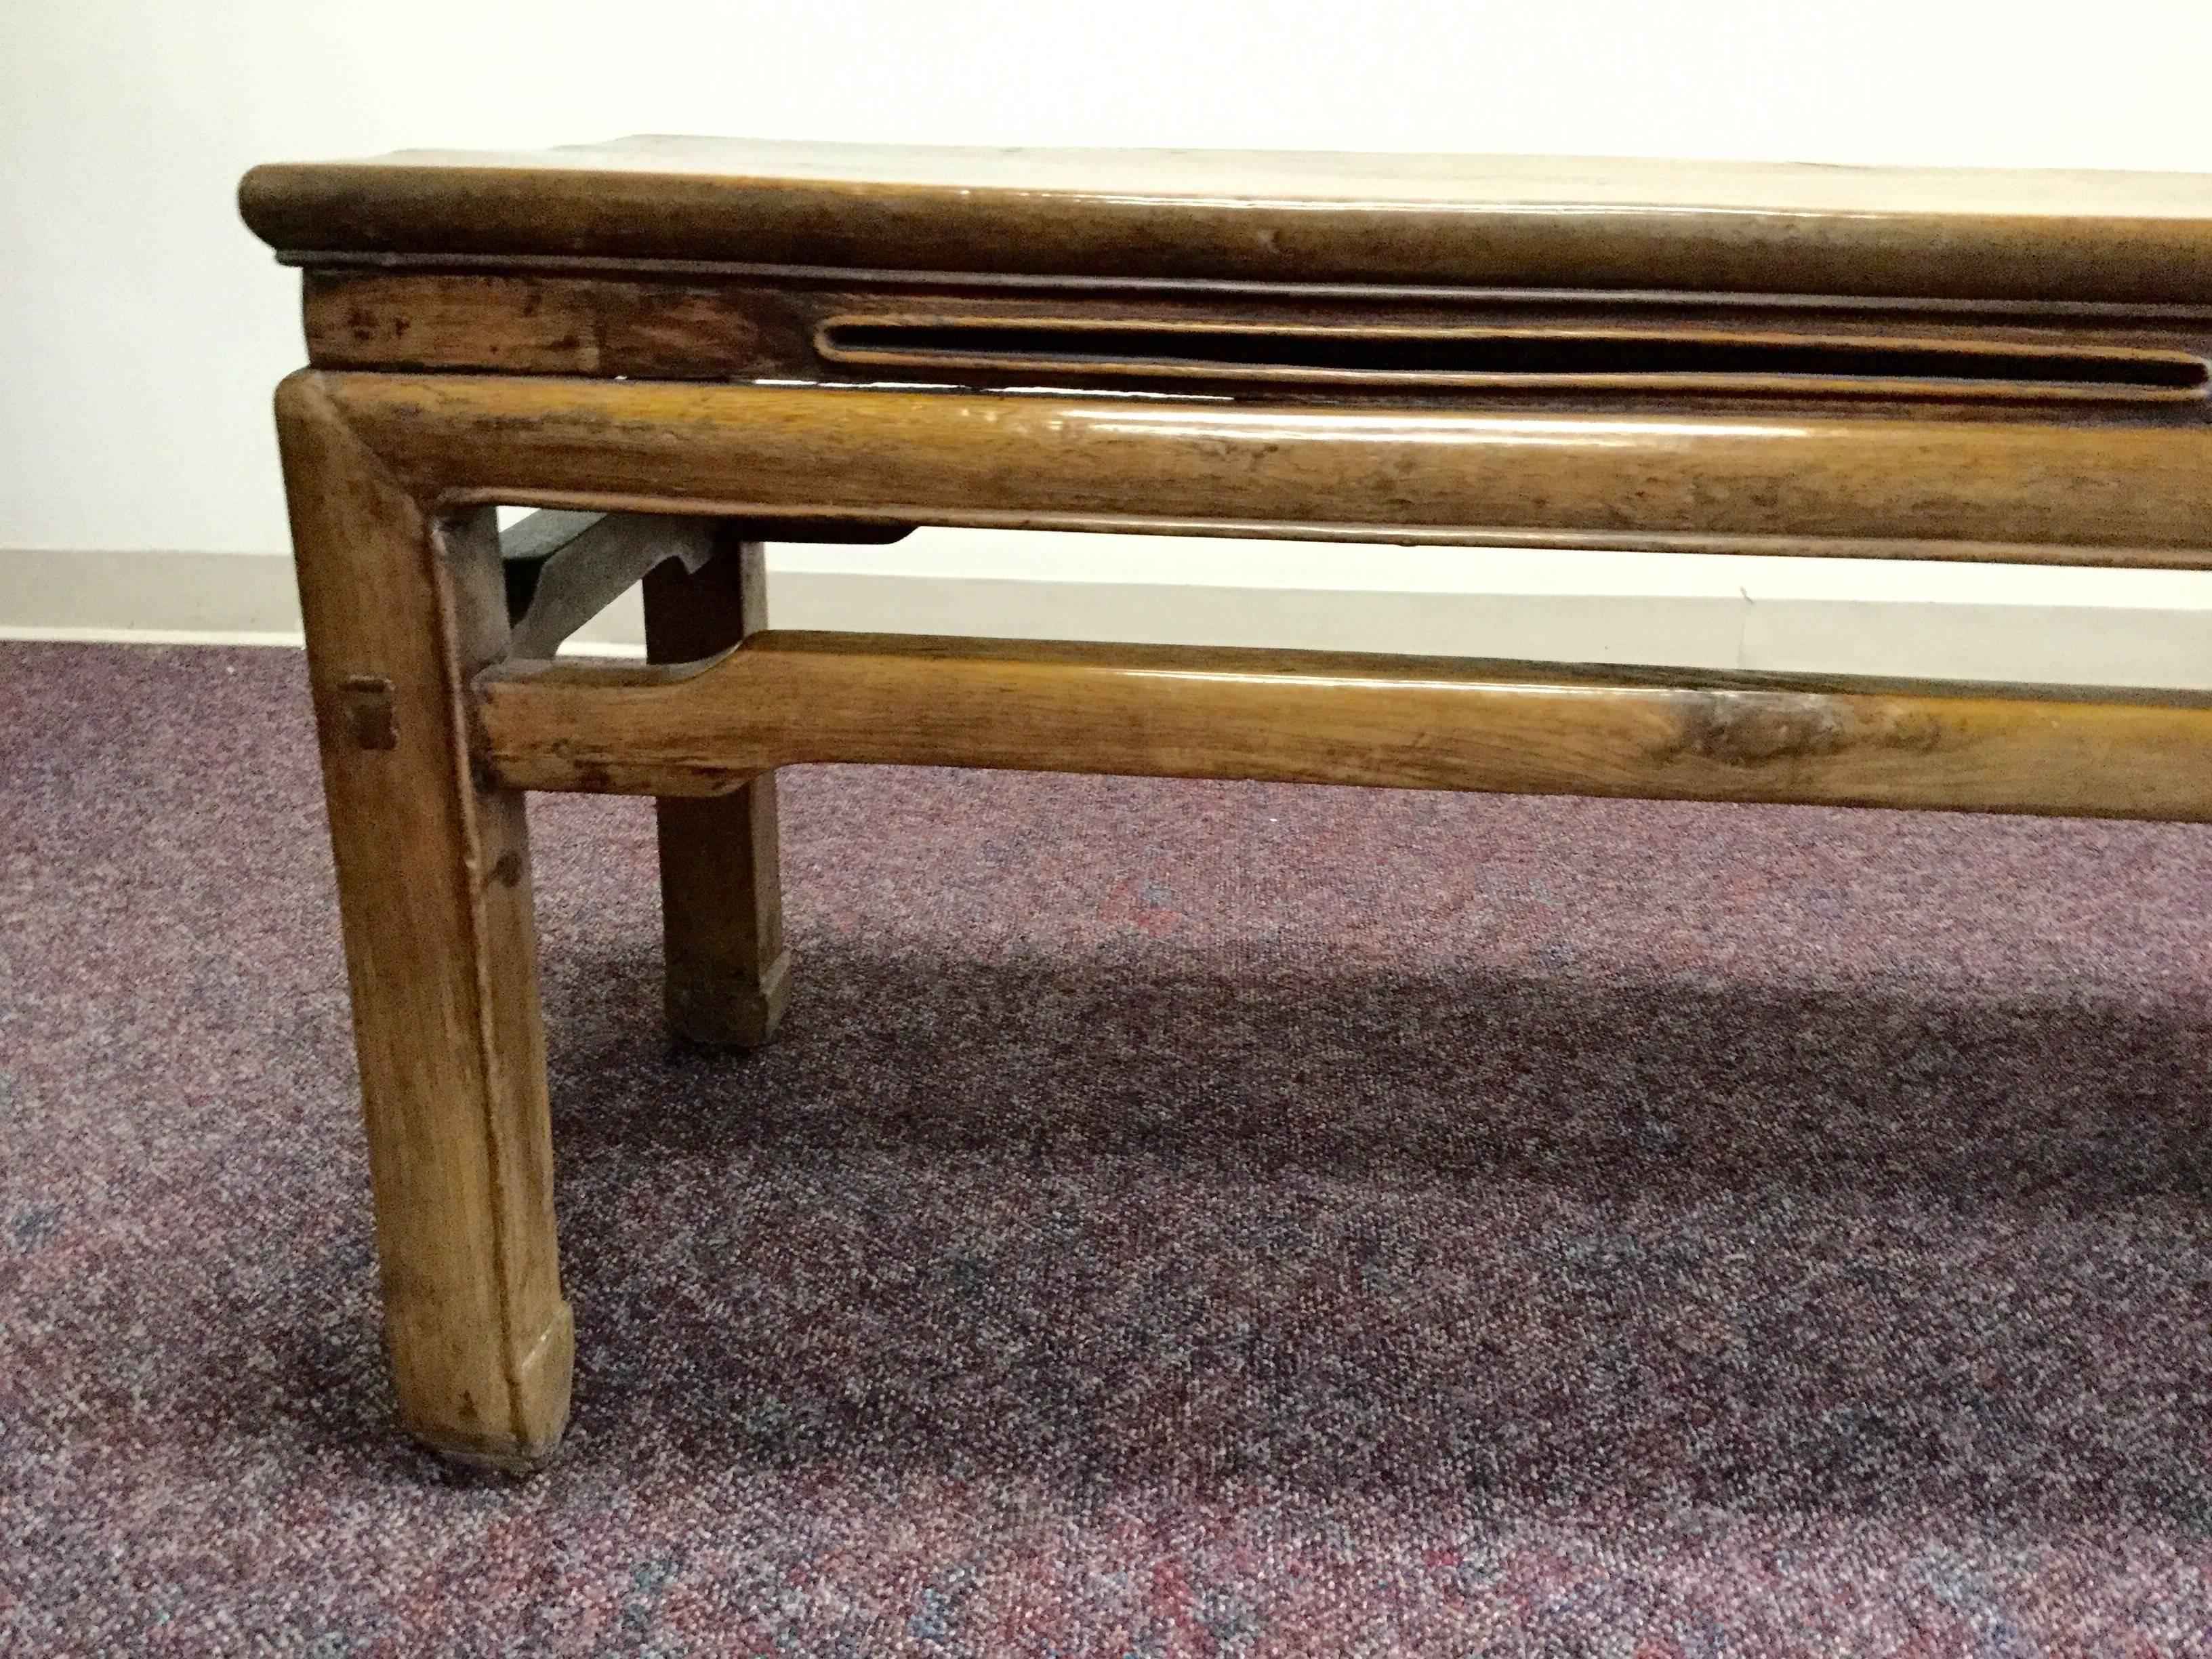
2061	493
1545	284
705	586
434	897
1582	351
1595	359
1421	349
598	558
728	974
1197	216
788	699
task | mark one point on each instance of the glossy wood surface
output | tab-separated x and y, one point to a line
598	558
433	892
1260	217
1616	352
727	970
746	340
785	699
1960	489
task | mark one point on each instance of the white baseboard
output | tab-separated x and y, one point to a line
2028	624
194	598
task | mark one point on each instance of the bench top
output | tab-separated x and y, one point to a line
1275	218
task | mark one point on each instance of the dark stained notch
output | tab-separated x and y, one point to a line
1609	359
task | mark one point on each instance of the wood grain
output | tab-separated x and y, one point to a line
434	891
1421	349
2120	493
721	893
786	699
1291	347
1185	217
603	559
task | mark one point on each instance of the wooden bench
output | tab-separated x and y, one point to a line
684	347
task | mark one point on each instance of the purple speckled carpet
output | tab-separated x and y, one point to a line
1176	1219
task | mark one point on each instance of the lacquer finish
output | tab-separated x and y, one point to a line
2117	494
720	343
1677	353
786	699
1184	215
727	972
433	869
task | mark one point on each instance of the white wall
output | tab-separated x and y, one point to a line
141	328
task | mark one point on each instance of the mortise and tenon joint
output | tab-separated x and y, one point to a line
679	348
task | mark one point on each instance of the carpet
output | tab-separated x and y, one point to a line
1176	1218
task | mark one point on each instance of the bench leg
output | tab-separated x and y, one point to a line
434	893
721	897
